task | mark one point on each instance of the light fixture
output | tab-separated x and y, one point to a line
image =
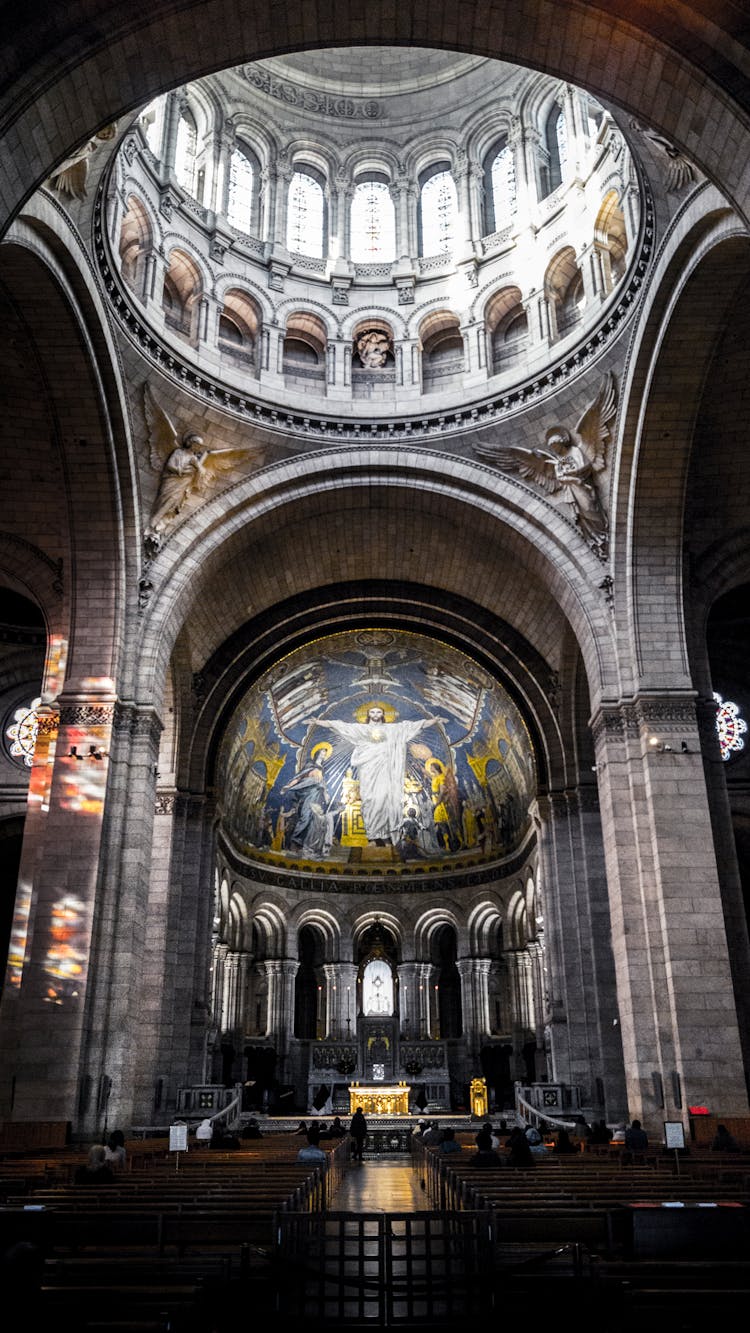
95	753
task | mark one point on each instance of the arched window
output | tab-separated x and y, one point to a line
438	210
556	143
241	191
187	142
305	230
373	223
500	187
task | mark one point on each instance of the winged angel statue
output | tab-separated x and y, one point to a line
567	462
187	469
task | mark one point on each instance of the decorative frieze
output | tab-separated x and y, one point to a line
311	99
87	715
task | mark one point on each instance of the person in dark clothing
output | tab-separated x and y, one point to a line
335	1130
563	1143
600	1133
636	1138
483	1139
520	1149
723	1141
358	1132
252	1130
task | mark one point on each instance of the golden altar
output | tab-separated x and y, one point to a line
379	1098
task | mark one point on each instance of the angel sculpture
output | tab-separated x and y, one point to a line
678	171
567	462
71	176
186	468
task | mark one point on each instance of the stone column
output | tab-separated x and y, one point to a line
475	1008
170	128
332	1010
224	144
425	1003
672	959
177	953
218	986
409	974
580	1007
267	211
347	983
284	173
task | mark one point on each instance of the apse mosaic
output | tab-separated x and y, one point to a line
376	746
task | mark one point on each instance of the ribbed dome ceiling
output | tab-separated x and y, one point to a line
376	71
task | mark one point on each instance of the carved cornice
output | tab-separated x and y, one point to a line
631	719
139	722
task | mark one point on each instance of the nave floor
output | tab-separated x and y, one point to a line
380	1185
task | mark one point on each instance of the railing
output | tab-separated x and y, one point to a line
531	1115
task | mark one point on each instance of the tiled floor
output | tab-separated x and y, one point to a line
381	1185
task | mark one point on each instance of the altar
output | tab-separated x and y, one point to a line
379	1098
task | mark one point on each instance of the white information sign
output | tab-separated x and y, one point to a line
674	1134
178	1137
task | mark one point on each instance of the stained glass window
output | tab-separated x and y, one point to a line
730	726
503	186
373	223
240	202
22	731
305	216
439	208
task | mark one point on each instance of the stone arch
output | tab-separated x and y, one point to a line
584	58
714	259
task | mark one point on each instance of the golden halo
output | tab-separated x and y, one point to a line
389	712
438	762
325	747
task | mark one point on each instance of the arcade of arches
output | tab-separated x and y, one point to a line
373	598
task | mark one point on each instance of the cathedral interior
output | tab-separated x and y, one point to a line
374	587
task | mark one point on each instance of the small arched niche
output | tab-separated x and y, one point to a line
304	349
136	243
442	350
239	325
372	358
563	284
507	328
183	288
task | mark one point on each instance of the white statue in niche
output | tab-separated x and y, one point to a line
377	988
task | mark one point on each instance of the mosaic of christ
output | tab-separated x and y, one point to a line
376	746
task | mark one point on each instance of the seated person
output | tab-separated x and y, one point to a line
312	1152
449	1143
335	1129
114	1153
96	1171
563	1143
204	1133
723	1141
483	1139
252	1130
